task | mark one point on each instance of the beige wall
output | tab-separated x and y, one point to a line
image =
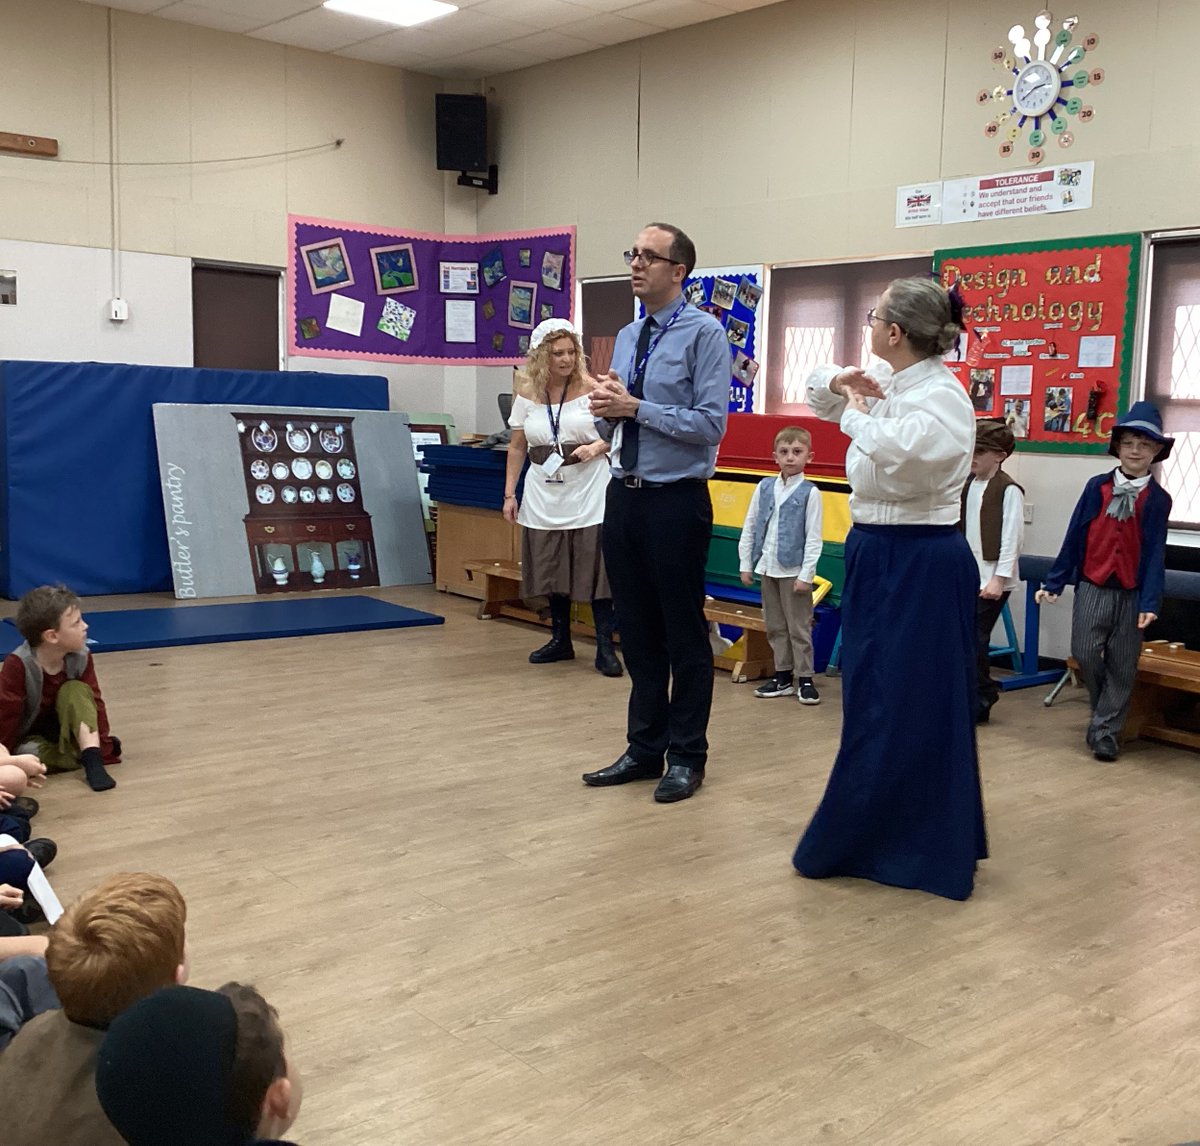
781	134
190	94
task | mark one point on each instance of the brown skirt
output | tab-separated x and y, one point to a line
564	561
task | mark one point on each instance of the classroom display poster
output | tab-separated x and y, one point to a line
1048	344
732	295
407	296
280	499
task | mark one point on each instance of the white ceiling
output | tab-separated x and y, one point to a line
485	37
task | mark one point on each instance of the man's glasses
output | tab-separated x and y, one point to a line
646	258
872	316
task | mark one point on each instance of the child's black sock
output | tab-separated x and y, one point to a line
97	775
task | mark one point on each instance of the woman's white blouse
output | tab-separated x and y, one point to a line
910	455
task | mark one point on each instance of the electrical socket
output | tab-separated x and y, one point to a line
1028	512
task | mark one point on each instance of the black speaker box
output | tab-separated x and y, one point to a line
461	133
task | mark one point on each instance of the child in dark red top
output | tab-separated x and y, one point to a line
1114	554
50	702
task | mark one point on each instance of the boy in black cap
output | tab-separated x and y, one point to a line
1114	554
187	1067
993	520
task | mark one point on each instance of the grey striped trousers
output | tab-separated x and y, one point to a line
1106	642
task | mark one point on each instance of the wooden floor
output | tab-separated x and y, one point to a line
386	832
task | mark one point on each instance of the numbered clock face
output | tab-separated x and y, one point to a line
1036	88
1041	91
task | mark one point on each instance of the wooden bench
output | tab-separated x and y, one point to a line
757	660
1166	696
501	581
501	589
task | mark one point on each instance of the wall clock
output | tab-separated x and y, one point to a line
1043	90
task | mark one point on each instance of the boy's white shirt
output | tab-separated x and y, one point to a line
911	453
1012	534
768	563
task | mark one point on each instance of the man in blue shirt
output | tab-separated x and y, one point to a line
663	406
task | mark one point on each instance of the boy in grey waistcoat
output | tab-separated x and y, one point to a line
781	541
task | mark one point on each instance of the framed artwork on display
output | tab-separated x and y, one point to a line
395	269
327	265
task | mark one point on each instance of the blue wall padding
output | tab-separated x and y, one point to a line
80	497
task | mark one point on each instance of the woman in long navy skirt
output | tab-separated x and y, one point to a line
903	803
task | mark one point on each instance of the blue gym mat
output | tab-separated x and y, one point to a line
126	629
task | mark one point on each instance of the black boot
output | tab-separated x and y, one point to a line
559	647
606	658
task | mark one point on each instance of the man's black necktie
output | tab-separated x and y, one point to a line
629	435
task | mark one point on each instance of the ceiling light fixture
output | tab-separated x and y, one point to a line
403	13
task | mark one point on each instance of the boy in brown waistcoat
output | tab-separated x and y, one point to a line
993	519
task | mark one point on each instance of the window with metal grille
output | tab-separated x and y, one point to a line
817	316
1173	368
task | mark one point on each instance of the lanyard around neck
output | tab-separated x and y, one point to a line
556	422
639	370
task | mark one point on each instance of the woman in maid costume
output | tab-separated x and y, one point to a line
563	506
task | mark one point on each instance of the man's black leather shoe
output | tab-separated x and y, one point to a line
678	784
622	771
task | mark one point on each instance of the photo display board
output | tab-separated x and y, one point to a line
732	296
407	296
1048	344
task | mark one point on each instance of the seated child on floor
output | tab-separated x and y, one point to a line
50	702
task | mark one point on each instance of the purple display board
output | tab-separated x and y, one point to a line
410	296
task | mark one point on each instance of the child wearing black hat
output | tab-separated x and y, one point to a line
1114	554
993	520
186	1067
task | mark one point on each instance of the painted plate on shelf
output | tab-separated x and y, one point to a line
265	493
306	495
345	492
280	470
263	440
259	469
324	494
299	440
345	468
324	470
302	468
288	493
331	441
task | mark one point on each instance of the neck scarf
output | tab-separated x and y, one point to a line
1125	495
